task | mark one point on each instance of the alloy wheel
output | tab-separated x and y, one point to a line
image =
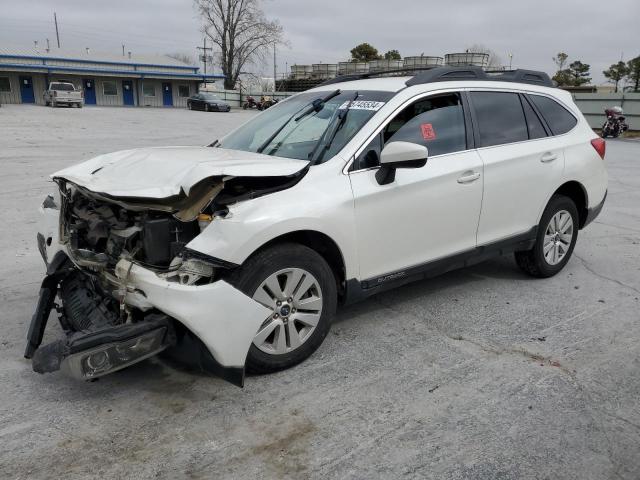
558	237
295	299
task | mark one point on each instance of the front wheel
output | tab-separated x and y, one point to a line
298	287
556	238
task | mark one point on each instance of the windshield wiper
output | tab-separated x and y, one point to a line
342	118
315	106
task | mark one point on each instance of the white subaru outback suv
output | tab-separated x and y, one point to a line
235	256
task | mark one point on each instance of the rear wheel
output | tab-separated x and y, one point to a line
299	288
555	240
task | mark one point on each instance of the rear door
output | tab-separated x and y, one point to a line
427	213
522	164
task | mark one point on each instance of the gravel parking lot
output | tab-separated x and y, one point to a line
482	373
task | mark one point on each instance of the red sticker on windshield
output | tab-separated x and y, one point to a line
427	131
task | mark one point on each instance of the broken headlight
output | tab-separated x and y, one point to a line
115	356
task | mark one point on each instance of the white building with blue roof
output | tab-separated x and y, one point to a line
105	79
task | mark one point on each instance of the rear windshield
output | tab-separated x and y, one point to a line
65	87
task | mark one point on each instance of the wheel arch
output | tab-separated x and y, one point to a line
322	244
576	192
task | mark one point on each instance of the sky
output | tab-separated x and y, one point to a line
325	31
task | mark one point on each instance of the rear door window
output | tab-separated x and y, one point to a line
557	117
500	118
536	129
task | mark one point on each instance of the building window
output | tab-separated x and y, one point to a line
148	90
5	84
109	88
183	91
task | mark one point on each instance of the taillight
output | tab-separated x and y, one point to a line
600	145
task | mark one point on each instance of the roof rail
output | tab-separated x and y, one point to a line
362	76
448	74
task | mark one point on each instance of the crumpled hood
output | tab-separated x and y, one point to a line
162	172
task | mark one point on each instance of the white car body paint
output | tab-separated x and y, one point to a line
225	319
162	172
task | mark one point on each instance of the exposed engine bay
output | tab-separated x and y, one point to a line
108	319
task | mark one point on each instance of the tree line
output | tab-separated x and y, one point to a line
576	73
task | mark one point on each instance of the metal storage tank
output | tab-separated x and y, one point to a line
467	59
348	68
324	70
299	72
384	65
422	62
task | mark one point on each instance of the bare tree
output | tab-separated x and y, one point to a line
181	57
494	59
241	30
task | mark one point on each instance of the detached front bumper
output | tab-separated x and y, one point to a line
221	317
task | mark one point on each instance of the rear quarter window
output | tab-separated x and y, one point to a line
558	118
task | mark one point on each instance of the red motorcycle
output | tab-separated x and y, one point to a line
615	124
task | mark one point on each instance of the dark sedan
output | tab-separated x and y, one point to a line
208	102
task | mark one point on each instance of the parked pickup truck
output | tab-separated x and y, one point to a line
63	93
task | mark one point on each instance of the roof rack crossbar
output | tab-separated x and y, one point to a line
447	74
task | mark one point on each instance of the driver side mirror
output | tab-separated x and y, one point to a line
400	155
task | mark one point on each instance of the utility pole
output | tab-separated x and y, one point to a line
204	49
48	47
274	67
123	49
55	20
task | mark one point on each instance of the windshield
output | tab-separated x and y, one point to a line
209	96
67	87
299	135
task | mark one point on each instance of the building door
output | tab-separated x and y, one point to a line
127	92
89	86
167	95
26	90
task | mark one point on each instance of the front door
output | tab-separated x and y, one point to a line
167	95
426	213
89	86
26	90
127	92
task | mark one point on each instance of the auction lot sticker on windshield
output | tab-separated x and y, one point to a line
363	105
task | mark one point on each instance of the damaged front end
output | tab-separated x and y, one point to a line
126	286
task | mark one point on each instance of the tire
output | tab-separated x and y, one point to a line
284	262
535	262
245	106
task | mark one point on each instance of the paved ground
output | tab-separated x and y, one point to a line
482	373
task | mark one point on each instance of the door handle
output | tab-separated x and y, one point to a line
548	157
469	177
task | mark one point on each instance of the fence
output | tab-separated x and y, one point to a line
592	106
